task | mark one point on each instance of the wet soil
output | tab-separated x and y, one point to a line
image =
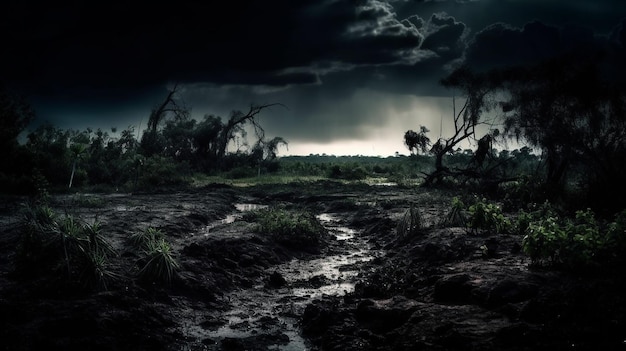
365	288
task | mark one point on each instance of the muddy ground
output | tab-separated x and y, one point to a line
365	288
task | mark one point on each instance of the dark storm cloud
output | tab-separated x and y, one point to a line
127	45
501	45
445	36
337	64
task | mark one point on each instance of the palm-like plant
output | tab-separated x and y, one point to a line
39	222
456	217
78	150
95	251
96	272
411	222
159	263
52	241
143	239
97	243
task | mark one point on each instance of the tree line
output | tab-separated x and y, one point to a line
173	145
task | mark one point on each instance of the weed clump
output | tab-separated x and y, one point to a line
64	246
410	224
158	264
456	217
297	229
487	216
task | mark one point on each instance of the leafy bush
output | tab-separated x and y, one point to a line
352	171
487	216
575	243
294	228
544	239
159	171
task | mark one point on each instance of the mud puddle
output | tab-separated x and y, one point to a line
269	312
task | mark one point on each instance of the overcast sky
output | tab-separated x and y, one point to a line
353	75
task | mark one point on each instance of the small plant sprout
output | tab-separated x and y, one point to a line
456	217
411	223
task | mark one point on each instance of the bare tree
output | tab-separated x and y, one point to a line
235	124
477	90
151	141
167	106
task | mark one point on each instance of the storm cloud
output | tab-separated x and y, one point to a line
346	70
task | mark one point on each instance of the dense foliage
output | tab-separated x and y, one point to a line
574	243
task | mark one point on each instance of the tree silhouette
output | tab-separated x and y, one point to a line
478	90
235	125
15	115
417	141
152	142
577	117
77	150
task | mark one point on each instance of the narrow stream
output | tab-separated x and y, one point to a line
264	311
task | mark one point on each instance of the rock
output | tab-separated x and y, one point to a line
384	315
194	250
232	344
276	280
509	291
318	281
455	288
315	320
246	260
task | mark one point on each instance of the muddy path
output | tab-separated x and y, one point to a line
365	288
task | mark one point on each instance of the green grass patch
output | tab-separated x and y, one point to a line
294	228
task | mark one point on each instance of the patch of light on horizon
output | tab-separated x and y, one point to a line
346	148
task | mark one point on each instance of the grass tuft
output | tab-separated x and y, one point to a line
411	223
159	264
294	228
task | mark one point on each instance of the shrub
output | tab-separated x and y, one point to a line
575	243
52	244
411	223
241	172
96	272
159	264
456	217
294	228
142	240
543	240
487	216
348	172
159	171
39	224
